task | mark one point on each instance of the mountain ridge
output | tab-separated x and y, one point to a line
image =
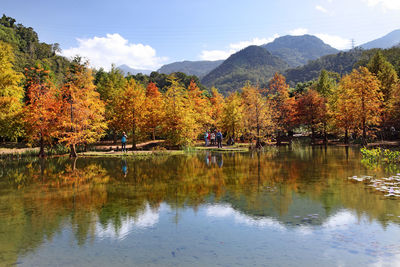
253	63
298	50
387	41
198	68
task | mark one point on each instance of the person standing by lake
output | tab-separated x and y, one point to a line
213	138
219	139
206	138
123	142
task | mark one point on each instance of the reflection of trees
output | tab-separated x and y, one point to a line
39	198
49	196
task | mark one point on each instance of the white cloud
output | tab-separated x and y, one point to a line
298	31
215	54
103	51
386	4
321	8
233	48
335	41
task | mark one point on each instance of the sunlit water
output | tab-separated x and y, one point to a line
278	208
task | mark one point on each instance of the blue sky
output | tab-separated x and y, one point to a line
148	34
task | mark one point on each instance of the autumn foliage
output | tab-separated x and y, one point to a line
89	106
42	110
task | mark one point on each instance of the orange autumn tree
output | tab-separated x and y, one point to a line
257	114
340	109
83	111
130	110
42	108
365	98
217	107
283	106
200	105
232	115
154	114
311	110
180	126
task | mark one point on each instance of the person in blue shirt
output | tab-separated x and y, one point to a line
123	141
219	139
206	138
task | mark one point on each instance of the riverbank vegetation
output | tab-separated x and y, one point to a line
73	105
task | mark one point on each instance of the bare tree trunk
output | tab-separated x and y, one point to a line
74	164
364	133
41	152
258	142
346	136
134	136
278	139
73	153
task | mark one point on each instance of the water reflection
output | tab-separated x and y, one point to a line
295	192
224	211
143	219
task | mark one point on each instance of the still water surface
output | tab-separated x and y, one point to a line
278	208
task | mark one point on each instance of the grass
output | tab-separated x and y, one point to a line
138	153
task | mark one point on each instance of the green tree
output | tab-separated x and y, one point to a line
386	74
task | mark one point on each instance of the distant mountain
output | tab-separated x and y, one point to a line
341	63
254	64
126	69
198	68
387	41
298	50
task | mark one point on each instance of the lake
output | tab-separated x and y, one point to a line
280	207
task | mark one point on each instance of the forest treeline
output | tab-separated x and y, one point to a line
46	103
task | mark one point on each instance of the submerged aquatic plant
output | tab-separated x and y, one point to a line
380	155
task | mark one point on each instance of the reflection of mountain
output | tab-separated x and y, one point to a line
295	189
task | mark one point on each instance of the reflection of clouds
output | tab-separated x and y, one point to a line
146	218
393	261
340	220
221	211
304	230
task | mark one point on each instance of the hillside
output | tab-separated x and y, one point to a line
29	51
341	63
298	50
254	64
198	68
389	40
